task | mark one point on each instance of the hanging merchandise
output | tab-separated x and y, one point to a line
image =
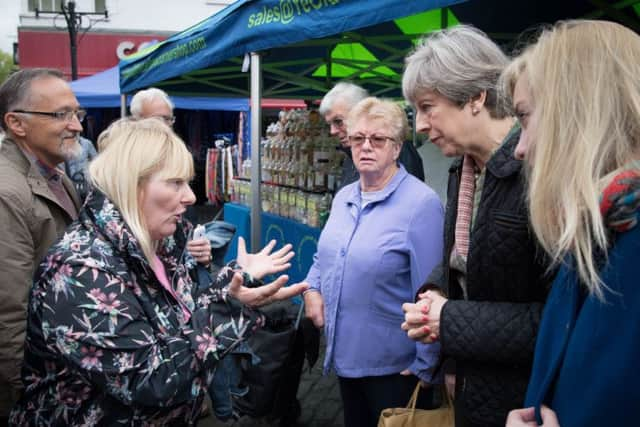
220	172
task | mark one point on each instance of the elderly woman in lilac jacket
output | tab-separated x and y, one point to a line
381	241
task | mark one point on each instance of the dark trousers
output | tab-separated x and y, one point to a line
364	398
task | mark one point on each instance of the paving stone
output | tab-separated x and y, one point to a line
319	398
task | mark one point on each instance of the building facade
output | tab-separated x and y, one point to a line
107	30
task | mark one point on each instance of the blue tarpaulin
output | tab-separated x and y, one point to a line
102	90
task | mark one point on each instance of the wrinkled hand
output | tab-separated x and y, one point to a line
526	417
422	319
314	308
266	294
200	249
264	262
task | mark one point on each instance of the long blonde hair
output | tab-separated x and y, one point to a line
585	84
132	151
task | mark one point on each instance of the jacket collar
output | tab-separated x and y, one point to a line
38	183
354	197
102	214
502	163
104	218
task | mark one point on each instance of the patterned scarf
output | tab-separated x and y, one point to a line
465	206
620	201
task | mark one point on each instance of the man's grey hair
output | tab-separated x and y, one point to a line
459	63
15	92
148	95
343	91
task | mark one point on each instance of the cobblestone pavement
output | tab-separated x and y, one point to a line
319	398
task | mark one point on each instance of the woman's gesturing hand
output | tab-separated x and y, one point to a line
265	294
264	262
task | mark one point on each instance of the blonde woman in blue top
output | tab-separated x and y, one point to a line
381	241
577	94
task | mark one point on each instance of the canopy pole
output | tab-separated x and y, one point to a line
123	105
256	128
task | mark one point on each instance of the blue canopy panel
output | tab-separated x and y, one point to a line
102	90
294	37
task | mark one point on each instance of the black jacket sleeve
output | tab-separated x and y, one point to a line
411	160
497	332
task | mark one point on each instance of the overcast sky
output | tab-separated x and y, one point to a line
9	19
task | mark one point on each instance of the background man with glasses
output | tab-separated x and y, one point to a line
42	122
335	106
152	102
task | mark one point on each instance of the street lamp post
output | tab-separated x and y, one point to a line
74	23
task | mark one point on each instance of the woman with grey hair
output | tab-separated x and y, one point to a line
380	243
485	301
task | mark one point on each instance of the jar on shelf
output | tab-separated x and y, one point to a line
301	206
324	208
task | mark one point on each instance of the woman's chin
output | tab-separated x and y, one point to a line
367	171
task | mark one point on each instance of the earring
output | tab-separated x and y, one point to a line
474	111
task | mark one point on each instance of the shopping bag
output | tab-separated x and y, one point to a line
410	416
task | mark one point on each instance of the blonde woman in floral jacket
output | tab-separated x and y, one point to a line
117	332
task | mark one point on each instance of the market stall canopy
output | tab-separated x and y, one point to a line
301	53
102	90
307	45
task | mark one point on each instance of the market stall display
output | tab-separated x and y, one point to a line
300	169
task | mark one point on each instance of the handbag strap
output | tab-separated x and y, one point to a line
414	397
447	396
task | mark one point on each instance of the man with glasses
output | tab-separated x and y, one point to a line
41	119
152	102
335	107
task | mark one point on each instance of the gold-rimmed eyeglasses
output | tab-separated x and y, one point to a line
376	141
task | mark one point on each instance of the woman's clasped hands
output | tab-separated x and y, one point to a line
422	319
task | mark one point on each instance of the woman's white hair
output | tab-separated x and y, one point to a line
383	110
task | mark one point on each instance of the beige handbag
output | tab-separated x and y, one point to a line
410	416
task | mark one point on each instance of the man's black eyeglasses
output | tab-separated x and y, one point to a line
67	116
170	120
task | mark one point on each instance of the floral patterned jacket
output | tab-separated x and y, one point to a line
107	344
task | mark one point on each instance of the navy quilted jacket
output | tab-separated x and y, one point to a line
491	335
